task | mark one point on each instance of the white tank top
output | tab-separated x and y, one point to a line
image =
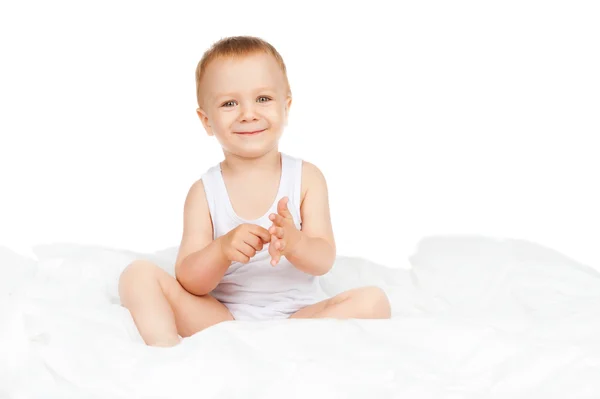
283	287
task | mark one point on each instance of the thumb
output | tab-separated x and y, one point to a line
282	208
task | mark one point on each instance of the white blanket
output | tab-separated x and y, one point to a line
473	318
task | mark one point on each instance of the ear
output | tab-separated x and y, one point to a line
205	122
288	104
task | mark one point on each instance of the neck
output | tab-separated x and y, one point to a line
270	161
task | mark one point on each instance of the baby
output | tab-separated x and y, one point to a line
257	230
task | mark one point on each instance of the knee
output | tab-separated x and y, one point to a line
376	304
137	274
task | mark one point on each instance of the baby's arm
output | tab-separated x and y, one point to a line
315	251
200	263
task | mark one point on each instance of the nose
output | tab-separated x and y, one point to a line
248	113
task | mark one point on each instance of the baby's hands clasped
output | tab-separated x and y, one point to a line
284	234
243	242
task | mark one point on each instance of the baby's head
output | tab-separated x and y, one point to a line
243	95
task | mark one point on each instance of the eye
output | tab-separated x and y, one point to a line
263	99
229	103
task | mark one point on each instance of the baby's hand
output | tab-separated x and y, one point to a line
284	234
242	243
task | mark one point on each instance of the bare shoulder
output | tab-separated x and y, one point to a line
314	207
312	178
197	223
196	196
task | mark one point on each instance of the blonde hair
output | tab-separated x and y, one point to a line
237	46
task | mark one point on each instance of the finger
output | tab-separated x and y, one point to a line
282	208
247	250
277	220
275	259
280	245
254	241
261	233
272	249
275	242
276	231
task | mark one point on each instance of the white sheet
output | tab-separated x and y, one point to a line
473	318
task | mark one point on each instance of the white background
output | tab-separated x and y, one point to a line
426	118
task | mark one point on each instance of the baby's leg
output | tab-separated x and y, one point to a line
161	308
358	303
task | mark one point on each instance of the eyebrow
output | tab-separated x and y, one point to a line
219	95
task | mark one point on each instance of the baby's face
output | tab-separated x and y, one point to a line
245	103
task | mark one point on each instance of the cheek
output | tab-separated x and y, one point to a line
223	120
276	114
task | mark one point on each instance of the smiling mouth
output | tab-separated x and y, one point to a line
251	133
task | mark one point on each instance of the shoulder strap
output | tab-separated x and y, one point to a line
211	189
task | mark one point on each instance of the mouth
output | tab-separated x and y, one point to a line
250	133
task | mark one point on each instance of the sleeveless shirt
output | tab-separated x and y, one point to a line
281	289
